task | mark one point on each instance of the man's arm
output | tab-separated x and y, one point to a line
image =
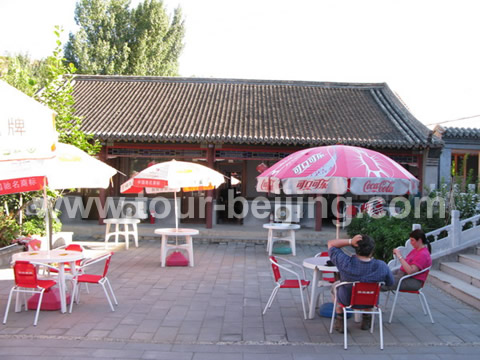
339	243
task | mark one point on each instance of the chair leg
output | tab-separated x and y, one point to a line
380	325
111	291
40	298
108	297
422	296
393	307
345	346
270	299
303	303
333	315
386	300
8	305
74	290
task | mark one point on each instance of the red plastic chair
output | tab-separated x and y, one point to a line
34	245
26	281
85	278
283	283
363	294
419	292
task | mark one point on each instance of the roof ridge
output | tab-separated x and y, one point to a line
179	79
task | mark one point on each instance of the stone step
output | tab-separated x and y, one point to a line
460	289
463	272
470	260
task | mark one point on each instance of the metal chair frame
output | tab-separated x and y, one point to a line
419	292
283	283
364	294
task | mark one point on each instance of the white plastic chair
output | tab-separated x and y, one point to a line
419	292
283	283
363	294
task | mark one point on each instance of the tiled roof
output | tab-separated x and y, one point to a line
194	110
458	132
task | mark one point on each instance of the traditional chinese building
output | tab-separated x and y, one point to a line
239	127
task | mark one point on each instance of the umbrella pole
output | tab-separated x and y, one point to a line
176	216
338	218
48	227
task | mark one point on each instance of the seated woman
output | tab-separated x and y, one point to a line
417	259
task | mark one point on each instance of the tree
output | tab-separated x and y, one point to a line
114	39
57	94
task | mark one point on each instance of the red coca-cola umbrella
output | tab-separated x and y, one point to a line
337	169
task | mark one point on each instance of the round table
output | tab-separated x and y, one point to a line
165	247
61	257
317	264
280	227
126	232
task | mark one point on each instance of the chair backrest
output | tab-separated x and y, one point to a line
275	268
34	244
25	274
74	247
107	264
365	294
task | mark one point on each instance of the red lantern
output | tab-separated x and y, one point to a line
261	167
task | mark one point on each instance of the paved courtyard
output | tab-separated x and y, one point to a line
214	311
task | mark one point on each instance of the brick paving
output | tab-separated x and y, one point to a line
214	311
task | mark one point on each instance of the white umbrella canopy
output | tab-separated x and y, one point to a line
173	176
70	168
27	127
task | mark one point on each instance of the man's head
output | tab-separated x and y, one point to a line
365	246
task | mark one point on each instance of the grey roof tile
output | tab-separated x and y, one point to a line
195	110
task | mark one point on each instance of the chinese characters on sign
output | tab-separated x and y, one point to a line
11	186
16	127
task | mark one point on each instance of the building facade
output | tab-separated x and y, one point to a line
239	127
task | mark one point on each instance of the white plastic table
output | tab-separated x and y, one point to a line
59	256
165	247
317	264
125	232
273	228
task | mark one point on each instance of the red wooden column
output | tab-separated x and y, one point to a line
210	193
103	192
318	213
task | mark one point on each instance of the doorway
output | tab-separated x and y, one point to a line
229	206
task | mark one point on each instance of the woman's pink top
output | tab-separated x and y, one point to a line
421	258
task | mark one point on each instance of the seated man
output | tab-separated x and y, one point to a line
360	267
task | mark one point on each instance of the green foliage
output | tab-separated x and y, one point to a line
9	228
58	96
114	39
388	232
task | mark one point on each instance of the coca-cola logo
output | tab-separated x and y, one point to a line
320	184
300	168
265	185
384	186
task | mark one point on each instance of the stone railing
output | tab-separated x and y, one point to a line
457	238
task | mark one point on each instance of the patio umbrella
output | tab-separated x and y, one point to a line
27	127
173	176
70	168
30	156
337	169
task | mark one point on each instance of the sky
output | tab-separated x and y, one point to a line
426	51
